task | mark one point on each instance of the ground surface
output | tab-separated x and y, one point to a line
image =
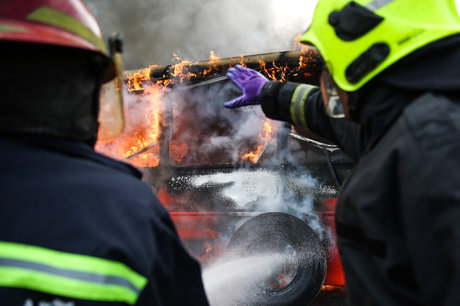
330	297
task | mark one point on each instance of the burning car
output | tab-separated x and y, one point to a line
240	188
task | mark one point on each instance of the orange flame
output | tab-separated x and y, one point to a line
142	130
136	80
265	137
178	151
140	134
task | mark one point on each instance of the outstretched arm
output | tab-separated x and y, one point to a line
298	104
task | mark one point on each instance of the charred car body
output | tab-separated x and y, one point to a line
238	185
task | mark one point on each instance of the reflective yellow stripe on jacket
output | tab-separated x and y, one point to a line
66	274
298	104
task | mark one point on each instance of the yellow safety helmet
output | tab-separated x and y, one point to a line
359	39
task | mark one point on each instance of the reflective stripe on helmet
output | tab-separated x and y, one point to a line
298	104
10	28
69	275
56	18
378	4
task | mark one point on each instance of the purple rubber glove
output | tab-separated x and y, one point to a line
250	82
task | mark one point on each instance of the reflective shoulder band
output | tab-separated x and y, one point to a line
298	104
69	275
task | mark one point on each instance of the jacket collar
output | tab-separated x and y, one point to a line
72	148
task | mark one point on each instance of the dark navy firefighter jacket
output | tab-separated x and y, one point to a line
78	228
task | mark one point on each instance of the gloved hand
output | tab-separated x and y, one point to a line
249	81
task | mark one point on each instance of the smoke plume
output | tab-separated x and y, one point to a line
155	29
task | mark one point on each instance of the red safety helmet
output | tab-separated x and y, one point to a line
66	23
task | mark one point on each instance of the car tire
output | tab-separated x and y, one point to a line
306	263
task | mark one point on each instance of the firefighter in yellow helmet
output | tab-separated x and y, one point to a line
76	227
390	98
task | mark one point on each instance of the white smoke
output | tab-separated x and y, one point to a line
155	29
213	133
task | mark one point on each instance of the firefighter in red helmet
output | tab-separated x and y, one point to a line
76	227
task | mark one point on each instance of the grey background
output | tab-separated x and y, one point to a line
155	29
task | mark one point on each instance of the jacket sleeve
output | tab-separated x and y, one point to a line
175	276
302	106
